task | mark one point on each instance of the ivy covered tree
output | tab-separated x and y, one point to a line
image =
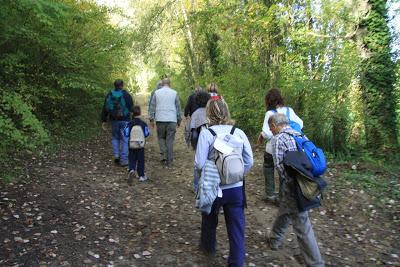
377	77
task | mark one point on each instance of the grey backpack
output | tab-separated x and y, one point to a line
136	138
230	164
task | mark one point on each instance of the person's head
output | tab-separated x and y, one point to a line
202	99
218	112
273	99
212	88
136	111
159	84
119	84
198	89
166	82
276	122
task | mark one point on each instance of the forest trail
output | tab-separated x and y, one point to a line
76	209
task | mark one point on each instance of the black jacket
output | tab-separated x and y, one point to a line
297	164
191	105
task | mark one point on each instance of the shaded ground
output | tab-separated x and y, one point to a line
76	209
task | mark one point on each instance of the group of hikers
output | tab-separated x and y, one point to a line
223	157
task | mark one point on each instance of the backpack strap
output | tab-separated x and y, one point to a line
233	130
212	132
288	113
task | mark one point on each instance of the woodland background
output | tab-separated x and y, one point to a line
335	61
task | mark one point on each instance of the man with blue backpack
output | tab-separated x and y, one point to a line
293	206
117	107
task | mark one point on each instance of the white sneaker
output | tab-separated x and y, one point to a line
142	178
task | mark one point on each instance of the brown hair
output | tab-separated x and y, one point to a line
273	98
136	111
218	112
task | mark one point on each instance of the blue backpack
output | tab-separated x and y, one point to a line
294	125
314	154
116	105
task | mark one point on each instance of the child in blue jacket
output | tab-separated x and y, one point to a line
136	156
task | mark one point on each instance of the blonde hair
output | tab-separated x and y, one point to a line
218	112
212	88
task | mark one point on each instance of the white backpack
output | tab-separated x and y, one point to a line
136	138
228	157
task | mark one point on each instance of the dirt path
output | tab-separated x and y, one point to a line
76	209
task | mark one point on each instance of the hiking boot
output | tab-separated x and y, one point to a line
131	176
273	245
206	252
168	165
143	178
274	200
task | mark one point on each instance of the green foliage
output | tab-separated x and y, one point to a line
18	126
377	79
382	187
7	178
304	48
56	58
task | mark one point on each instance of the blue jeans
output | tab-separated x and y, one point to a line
119	141
232	202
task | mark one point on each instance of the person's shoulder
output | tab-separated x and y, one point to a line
142	122
240	132
126	92
270	112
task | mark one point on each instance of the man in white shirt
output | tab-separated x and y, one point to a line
165	111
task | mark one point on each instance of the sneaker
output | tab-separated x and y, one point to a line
273	245
142	178
123	164
116	160
169	165
131	175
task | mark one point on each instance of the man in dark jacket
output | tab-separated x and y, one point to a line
191	104
117	107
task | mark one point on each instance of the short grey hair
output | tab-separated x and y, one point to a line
166	81
278	119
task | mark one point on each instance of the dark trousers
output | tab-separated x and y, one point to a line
136	160
268	170
232	202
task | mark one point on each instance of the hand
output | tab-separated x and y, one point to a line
104	126
152	124
178	123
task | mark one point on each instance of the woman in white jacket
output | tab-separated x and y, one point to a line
274	103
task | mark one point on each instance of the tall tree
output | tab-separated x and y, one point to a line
377	77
